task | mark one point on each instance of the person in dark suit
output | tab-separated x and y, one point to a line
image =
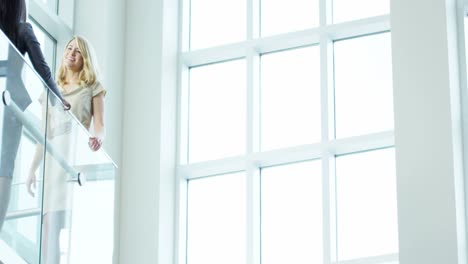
21	35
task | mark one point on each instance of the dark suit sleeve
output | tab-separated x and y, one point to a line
33	48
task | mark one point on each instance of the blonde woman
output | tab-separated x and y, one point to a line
78	82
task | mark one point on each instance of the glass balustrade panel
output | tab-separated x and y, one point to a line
50	177
78	191
20	132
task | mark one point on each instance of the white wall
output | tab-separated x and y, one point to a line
139	69
106	32
427	132
140	183
149	134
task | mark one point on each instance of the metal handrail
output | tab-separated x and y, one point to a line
28	123
23	213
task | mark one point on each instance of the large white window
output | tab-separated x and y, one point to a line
48	44
345	10
217	219
216	22
291	213
286	150
217	111
290	98
300	15
363	85
366	204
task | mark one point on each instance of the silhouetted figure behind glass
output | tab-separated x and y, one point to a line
13	23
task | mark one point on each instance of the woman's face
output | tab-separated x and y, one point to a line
72	58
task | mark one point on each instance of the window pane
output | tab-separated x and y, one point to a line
286	16
48	49
346	10
290	98
217	111
216	22
46	42
292	214
363	85
366	204
50	4
216	229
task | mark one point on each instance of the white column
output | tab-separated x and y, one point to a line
149	134
427	132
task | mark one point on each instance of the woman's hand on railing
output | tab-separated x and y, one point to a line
31	181
95	143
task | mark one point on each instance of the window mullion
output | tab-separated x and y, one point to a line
184	35
184	114
253	214
325	12
252	145
252	126
253	19
327	126
329	208
52	23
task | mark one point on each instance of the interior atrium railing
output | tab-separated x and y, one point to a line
69	216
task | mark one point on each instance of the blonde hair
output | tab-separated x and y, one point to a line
89	74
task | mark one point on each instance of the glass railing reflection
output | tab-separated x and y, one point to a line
73	214
63	211
20	233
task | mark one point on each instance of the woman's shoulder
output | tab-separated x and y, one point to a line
96	84
98	88
95	88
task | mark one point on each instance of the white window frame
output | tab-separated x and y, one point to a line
51	22
251	49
